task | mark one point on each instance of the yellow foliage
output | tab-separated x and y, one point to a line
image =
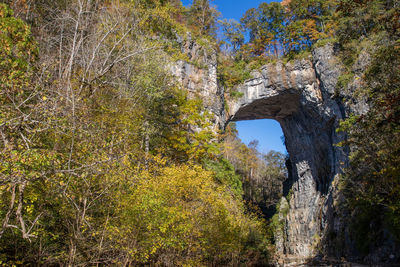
180	215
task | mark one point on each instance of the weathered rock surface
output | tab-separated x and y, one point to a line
201	81
301	97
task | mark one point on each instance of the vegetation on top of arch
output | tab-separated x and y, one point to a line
276	31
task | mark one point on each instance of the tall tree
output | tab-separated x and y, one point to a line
233	33
203	16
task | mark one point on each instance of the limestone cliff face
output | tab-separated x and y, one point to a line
201	80
302	96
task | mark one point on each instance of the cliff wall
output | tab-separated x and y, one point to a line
303	97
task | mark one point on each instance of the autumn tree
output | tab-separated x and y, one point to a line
233	33
203	16
22	161
262	174
371	184
308	21
95	129
280	29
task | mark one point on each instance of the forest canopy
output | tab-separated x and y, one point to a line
106	160
99	160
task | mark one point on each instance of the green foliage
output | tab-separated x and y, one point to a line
292	56
233	33
190	140
278	220
232	72
344	79
266	26
101	148
371	184
324	42
225	174
276	30
236	94
289	195
359	18
18	50
311	20
180	216
262	174
202	17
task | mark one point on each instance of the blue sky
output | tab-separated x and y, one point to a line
233	9
267	132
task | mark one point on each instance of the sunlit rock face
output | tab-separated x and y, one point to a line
301	97
201	81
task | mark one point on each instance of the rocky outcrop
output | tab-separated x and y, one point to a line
301	96
200	80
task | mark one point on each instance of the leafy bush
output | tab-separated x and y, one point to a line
178	215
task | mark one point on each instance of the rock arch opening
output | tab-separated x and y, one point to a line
294	95
261	164
267	131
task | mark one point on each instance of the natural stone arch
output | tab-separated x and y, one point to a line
300	96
